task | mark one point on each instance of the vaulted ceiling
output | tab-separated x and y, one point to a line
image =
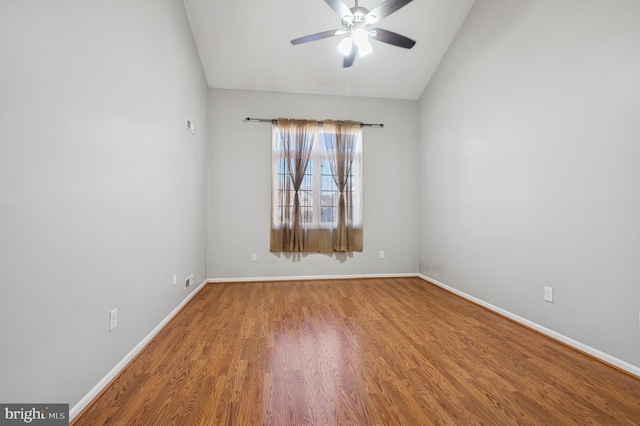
245	44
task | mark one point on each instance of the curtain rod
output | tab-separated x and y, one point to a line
272	121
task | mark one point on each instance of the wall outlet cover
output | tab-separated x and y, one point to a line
113	319
191	127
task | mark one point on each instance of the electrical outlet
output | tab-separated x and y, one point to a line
381	254
254	257
548	294
188	282
175	279
113	319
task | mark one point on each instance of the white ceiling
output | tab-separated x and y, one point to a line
244	44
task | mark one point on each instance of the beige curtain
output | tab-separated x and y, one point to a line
296	138
340	139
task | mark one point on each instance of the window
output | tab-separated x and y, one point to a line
322	164
318	188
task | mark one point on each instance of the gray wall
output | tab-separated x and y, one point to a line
102	189
530	141
240	185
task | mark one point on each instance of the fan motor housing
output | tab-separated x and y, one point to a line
359	14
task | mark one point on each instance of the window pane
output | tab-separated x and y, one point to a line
327	214
328	183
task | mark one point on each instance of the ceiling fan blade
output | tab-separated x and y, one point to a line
339	8
348	60
390	37
314	37
385	9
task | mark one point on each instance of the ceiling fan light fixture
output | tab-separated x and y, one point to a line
345	46
364	48
359	36
361	39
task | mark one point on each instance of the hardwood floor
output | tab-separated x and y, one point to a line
357	352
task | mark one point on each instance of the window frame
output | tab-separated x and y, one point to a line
318	161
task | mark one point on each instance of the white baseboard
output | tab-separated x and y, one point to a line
86	400
609	359
309	277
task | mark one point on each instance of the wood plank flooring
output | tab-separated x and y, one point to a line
357	352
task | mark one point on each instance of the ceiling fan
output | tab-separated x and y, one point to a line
357	27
